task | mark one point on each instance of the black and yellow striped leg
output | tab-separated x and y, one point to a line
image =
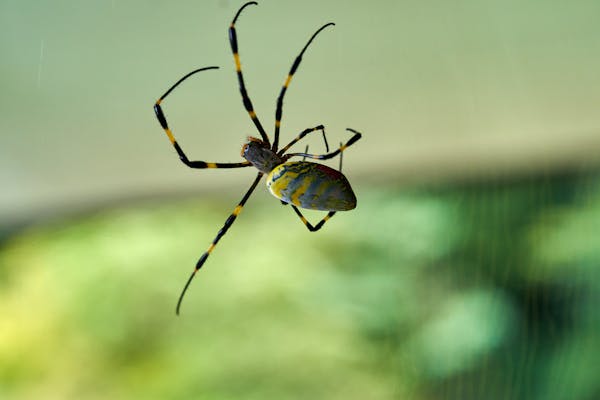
308	224
302	135
295	65
238	68
182	156
230	220
327	156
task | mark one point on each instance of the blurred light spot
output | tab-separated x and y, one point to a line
466	328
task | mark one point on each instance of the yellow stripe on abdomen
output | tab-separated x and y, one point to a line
290	181
298	191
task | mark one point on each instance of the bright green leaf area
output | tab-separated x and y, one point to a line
470	292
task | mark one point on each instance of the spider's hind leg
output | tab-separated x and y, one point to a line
311	227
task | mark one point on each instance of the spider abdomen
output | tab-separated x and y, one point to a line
312	186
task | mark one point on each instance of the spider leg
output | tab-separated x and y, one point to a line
288	79
238	67
230	220
327	156
163	123
308	224
302	135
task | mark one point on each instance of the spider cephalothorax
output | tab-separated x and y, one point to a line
260	155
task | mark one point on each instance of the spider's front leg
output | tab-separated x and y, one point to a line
164	124
327	156
238	68
286	83
302	135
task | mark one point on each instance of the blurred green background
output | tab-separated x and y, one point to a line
469	270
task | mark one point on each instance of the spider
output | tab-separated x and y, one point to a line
301	184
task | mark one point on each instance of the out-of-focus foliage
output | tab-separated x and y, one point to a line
480	291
